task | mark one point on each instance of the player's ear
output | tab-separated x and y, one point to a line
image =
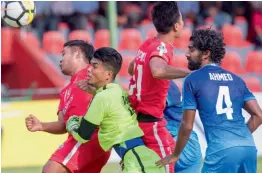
206	54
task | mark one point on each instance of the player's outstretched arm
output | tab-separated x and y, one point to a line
255	111
185	130
161	70
56	127
82	129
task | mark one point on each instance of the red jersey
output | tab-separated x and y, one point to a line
147	94
74	101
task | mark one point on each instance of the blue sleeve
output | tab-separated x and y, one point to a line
189	100
247	94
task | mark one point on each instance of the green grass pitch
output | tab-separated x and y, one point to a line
109	168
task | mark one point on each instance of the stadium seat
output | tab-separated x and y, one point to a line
80	35
179	60
232	63
102	38
7	35
130	39
53	42
183	41
254	62
63	28
241	22
31	38
233	36
124	69
253	84
151	33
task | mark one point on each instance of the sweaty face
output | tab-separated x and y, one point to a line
97	74
194	57
66	61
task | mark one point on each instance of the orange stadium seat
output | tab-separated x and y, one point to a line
130	39
232	63
102	38
124	69
7	35
80	35
31	38
53	42
233	36
254	62
253	84
179	60
183	41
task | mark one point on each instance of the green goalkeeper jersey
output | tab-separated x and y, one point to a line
109	109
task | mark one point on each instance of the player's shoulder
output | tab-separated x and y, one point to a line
193	76
235	77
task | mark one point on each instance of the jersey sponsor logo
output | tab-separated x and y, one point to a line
69	101
67	94
220	76
162	49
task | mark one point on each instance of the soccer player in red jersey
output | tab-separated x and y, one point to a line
72	156
151	72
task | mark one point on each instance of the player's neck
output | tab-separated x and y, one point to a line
79	68
166	38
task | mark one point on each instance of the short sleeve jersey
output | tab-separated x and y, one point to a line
147	94
219	96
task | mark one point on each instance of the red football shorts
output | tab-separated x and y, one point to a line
81	158
158	138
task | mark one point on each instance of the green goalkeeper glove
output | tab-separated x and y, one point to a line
73	123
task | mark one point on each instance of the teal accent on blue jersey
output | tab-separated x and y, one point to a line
173	110
219	96
191	157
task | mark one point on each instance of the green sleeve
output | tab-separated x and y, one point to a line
91	120
97	110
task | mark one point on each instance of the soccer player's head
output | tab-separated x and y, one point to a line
206	46
76	54
105	65
167	18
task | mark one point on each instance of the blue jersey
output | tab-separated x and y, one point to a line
173	110
219	96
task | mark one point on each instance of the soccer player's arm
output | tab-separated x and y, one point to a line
83	129
253	108
187	124
161	70
131	67
55	127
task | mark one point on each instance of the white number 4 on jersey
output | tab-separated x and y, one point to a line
223	94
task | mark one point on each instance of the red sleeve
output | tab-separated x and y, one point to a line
163	52
77	104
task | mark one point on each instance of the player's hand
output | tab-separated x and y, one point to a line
73	123
167	160
83	85
33	124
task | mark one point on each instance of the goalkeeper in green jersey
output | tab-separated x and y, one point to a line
111	111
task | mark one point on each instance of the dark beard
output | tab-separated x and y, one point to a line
194	65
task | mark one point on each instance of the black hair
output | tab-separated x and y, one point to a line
112	60
207	39
164	15
86	48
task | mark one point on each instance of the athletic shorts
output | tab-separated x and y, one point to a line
157	138
141	160
190	159
81	158
232	160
